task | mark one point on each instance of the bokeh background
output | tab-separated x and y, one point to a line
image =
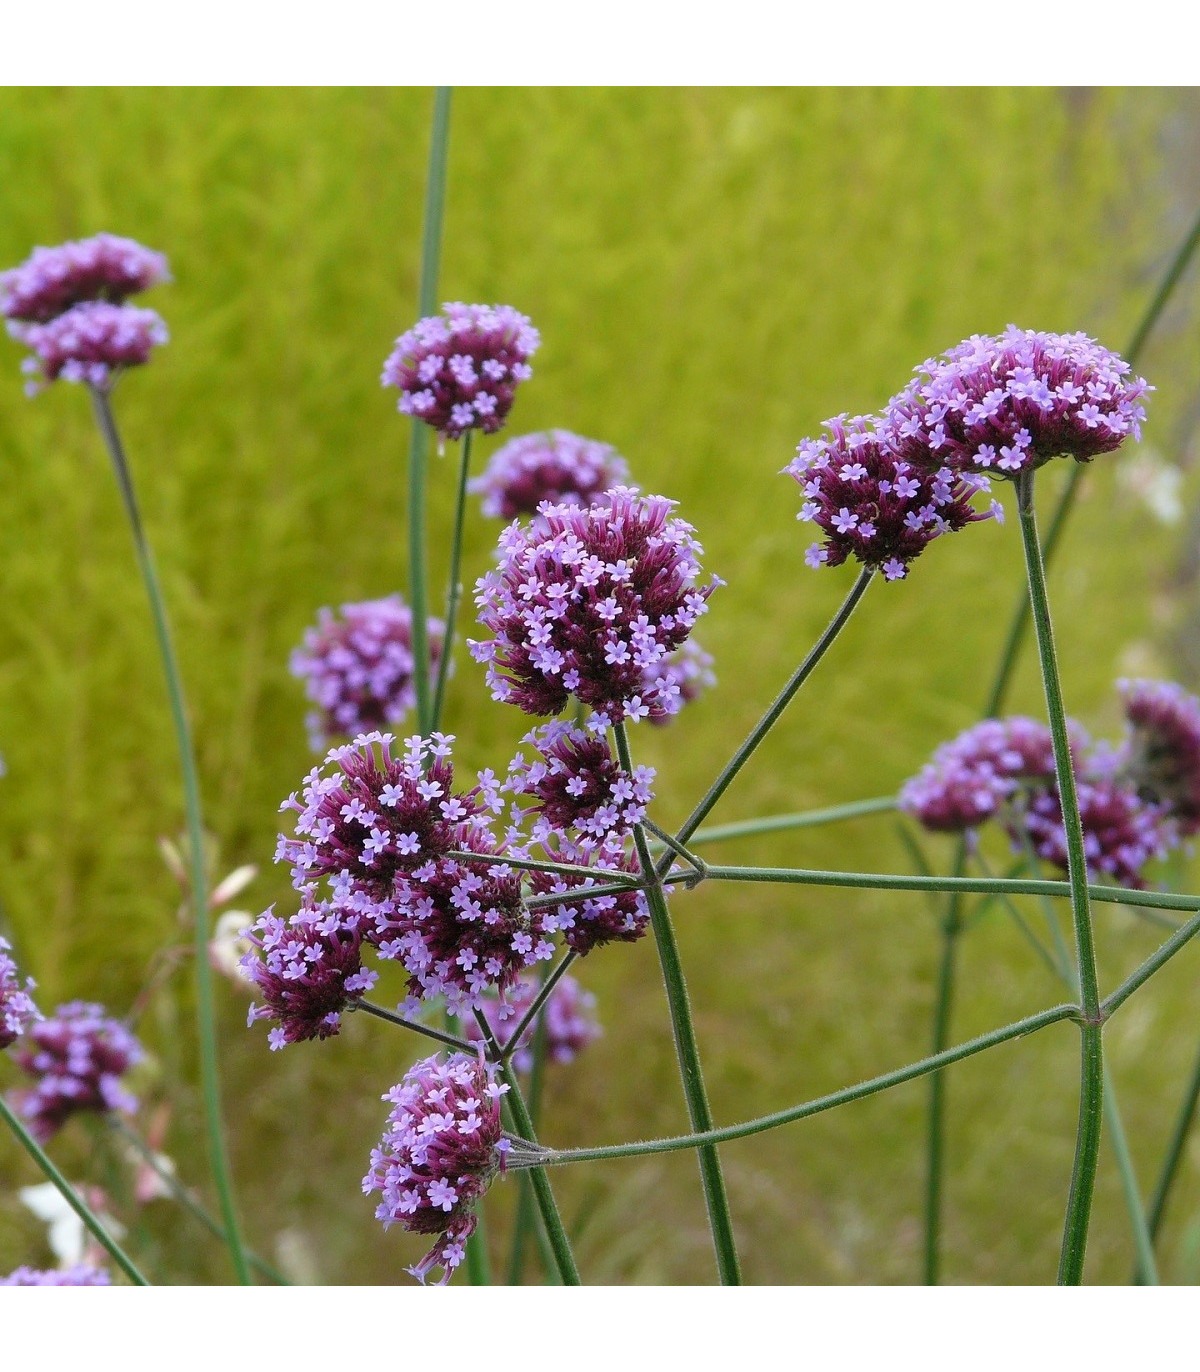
714	272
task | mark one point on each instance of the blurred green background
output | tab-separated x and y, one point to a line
713	273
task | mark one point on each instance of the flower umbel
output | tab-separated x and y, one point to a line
17	1010
103	267
557	466
440	1150
1161	755
460	370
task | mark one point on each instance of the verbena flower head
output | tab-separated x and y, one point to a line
974	775
78	1056
557	466
569	1018
461	927
586	921
17	1010
357	666
679	679
589	602
874	507
439	1153
1161	755
367	814
103	267
575	783
460	370
1007	404
89	344
79	1275
308	969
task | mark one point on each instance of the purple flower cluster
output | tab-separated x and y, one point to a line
357	666
78	1056
874	507
588	921
103	267
557	466
460	370
79	1275
568	1014
1137	801
589	602
307	969
66	305
575	783
1006	404
17	1010
440	1151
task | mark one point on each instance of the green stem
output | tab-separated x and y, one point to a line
430	1033
686	1049
71	1196
454	590
184	1197
764	725
1091	1086
431	247
556	1157
1175	1149
805	819
205	1017
524	1220
567	869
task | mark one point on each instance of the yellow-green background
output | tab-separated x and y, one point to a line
713	272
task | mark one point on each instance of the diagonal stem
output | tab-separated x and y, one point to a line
206	1032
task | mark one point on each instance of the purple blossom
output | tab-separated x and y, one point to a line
1007	404
78	1056
589	602
874	507
17	1010
575	783
1161	754
308	969
568	1014
89	343
678	680
460	370
357	665
586	921
461	928
103	267
557	466
438	1155
974	775
79	1275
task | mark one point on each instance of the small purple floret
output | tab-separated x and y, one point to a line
557	466
439	1153
17	1010
460	370
678	680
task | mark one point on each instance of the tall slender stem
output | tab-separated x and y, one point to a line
804	819
1091	1086
524	1219
777	707
206	1033
686	1049
431	250
453	589
71	1196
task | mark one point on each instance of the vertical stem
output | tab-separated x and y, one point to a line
524	1217
1091	1086
686	1049
206	1033
431	245
454	590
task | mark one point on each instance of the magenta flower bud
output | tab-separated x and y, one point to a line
557	466
308	969
357	666
568	1015
873	507
1161	755
103	267
1007	404
89	344
460	370
79	1275
78	1057
589	602
17	1010
439	1153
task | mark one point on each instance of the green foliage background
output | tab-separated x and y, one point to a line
713	273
